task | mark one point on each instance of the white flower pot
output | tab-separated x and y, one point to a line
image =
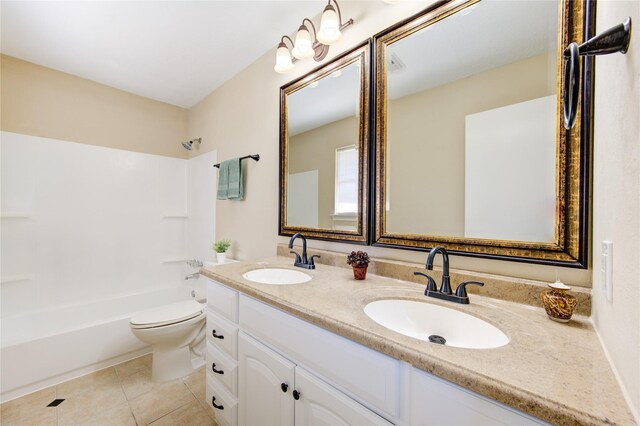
221	257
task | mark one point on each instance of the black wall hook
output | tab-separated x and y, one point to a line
615	39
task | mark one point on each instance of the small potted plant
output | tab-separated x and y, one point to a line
359	261
221	247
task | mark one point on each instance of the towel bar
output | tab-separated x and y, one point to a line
255	157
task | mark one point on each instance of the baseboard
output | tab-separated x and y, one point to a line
625	394
73	374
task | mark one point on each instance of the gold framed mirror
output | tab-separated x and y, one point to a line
470	148
324	146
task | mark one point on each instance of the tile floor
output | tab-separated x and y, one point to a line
120	395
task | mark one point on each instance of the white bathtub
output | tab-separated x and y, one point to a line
49	347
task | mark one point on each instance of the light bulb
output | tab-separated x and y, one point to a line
283	59
329	26
303	48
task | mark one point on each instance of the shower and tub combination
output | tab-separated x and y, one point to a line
90	236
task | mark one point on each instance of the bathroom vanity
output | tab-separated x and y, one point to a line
307	354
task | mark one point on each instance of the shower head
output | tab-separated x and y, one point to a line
188	145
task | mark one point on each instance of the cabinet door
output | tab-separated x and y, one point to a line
321	404
262	372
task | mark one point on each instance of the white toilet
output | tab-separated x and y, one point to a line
176	333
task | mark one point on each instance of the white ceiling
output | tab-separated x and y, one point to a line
334	98
487	35
172	51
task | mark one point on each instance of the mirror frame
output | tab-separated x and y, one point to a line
573	164
361	52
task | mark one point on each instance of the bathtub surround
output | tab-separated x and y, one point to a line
90	235
120	395
44	102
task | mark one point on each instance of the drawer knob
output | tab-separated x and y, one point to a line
213	402
284	387
217	336
296	395
213	367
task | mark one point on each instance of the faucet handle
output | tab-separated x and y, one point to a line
461	290
311	262
298	258
431	285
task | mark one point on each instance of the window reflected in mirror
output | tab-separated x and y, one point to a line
322	152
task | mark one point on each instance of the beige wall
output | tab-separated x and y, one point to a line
316	150
426	142
43	102
616	198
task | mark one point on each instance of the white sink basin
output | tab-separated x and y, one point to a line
421	320
277	276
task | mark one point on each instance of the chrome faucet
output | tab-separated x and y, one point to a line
193	276
302	261
194	263
445	292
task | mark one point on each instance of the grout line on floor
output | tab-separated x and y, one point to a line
125	395
165	415
55	391
201	403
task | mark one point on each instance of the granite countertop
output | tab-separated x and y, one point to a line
556	372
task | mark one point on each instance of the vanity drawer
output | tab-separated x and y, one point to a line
222	368
222	334
368	376
222	300
226	405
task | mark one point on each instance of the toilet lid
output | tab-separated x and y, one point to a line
167	314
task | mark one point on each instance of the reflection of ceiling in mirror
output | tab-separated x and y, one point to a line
489	34
333	99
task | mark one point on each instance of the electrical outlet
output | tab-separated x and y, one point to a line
606	269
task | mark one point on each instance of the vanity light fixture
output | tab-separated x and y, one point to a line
306	47
330	25
284	63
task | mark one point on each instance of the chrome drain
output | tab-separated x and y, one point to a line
434	338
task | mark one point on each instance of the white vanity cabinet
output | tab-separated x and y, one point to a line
222	353
321	404
265	355
275	391
266	385
438	402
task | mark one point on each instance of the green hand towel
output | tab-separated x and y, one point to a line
236	187
223	181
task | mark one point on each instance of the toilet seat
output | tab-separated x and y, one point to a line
173	313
